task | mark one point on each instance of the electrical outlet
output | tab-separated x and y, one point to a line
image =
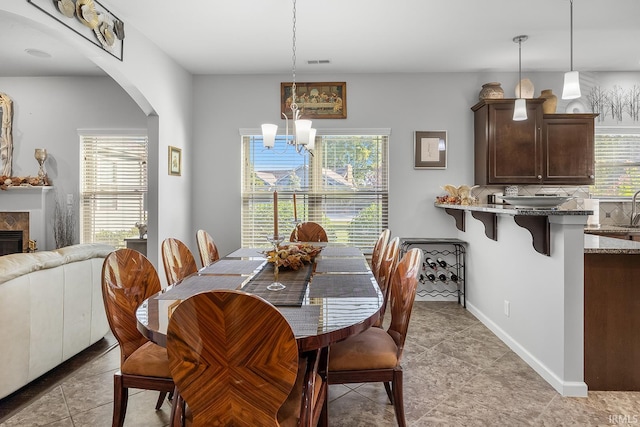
507	308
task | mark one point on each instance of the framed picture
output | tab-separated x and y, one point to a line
175	161
326	100
430	150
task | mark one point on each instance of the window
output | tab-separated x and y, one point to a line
343	187
617	158
113	187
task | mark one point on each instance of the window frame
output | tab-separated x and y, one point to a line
613	130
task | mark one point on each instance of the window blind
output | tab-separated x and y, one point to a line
343	187
113	187
617	162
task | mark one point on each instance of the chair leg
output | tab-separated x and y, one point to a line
160	401
398	402
387	387
120	398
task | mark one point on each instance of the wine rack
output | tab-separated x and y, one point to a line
443	272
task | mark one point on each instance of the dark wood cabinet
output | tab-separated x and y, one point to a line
544	149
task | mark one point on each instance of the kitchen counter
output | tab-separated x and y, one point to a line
512	210
594	244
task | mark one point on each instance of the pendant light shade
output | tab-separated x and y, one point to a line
571	89
520	107
269	135
520	110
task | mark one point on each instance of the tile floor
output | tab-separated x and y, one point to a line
456	373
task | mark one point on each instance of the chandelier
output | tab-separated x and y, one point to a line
302	132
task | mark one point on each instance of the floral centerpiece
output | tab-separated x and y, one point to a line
292	256
457	195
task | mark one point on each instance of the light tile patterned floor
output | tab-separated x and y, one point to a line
456	373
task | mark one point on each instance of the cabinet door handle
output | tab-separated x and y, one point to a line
591	177
539	176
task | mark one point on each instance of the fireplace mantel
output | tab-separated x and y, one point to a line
40	203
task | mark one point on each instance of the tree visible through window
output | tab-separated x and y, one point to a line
343	187
617	158
113	187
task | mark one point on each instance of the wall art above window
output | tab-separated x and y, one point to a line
89	19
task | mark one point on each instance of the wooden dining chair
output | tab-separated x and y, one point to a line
235	361
374	355
207	248
378	251
178	260
388	263
308	232
128	278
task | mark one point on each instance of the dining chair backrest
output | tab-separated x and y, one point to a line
178	260
378	251
387	264
403	284
128	278
308	232
207	248
233	358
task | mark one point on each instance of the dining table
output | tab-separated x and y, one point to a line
325	301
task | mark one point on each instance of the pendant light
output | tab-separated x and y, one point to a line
520	107
571	89
301	129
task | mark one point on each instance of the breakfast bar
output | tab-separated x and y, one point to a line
526	283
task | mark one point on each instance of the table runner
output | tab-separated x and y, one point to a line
294	280
343	285
196	284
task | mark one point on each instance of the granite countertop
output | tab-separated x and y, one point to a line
512	210
611	229
609	245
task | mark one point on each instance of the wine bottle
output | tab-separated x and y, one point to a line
453	277
431	276
431	263
442	263
442	276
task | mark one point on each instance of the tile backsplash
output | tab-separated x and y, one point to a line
611	212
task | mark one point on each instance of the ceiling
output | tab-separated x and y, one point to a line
356	36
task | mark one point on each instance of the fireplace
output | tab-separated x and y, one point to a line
14	230
10	242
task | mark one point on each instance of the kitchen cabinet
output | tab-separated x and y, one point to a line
544	149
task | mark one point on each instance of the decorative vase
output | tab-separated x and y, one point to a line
527	89
550	103
491	90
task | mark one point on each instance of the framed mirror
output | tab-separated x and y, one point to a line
6	139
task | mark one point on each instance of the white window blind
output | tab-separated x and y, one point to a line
343	187
113	187
617	161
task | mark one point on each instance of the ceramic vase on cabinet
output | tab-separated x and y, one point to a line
550	103
491	90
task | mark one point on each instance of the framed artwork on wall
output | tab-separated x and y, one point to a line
175	161
324	100
430	150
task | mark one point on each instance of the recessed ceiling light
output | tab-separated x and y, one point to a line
38	53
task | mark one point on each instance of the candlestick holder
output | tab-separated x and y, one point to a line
275	286
296	226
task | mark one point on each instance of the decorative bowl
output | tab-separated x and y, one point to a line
536	201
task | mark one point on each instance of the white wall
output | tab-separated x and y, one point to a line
403	102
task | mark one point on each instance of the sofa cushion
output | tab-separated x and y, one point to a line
16	265
84	251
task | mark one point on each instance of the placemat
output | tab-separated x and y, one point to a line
341	285
304	320
247	253
196	284
339	265
337	251
233	266
290	296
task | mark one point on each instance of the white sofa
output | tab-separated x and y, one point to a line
50	309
